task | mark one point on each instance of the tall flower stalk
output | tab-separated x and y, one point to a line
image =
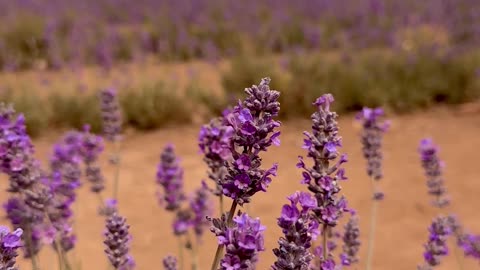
214	142
117	243
371	137
253	124
323	178
299	229
112	127
436	246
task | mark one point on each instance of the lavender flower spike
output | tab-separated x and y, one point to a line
254	131
299	229
170	263
9	244
200	204
117	242
243	241
433	170
436	247
323	179
111	114
371	138
170	177
351	242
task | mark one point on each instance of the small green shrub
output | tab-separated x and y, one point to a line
37	115
154	106
201	97
74	111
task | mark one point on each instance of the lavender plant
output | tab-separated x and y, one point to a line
323	179
253	124
436	247
214	142
299	229
433	170
351	242
371	137
170	177
112	125
170	263
10	242
117	243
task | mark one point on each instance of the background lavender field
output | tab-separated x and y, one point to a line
176	64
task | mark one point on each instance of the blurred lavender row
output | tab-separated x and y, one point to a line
77	32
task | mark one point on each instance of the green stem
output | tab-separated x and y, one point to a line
116	176
28	241
193	252
220	198
371	235
180	253
458	258
218	253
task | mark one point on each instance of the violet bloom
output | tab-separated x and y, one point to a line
111	114
254	131
91	146
243	241
470	244
214	142
299	229
436	247
182	222
170	177
372	135
109	208
9	244
117	242
433	170
170	263
323	179
351	242
200	204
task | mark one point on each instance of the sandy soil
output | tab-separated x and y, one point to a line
403	216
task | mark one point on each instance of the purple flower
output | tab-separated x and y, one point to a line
111	114
322	178
200	204
433	170
436	247
299	229
243	241
214	142
253	125
182	222
9	244
117	242
170	263
91	146
371	137
170	177
351	242
470	244
109	208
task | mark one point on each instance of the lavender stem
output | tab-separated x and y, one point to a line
193	252
180	253
373	221
33	258
220	197
325	242
116	176
220	248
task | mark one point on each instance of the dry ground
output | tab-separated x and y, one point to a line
403	216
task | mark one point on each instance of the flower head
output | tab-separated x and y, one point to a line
351	242
436	247
299	228
433	170
9	244
170	263
117	242
170	177
111	114
200	204
371	137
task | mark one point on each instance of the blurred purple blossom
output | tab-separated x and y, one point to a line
117	242
170	177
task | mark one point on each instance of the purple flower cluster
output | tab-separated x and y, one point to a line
243	241
253	127
9	244
372	139
117	242
170	177
351	242
200	205
470	244
299	229
28	184
436	247
433	170
91	146
322	178
214	142
170	263
111	114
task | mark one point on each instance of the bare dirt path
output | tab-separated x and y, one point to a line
403	217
